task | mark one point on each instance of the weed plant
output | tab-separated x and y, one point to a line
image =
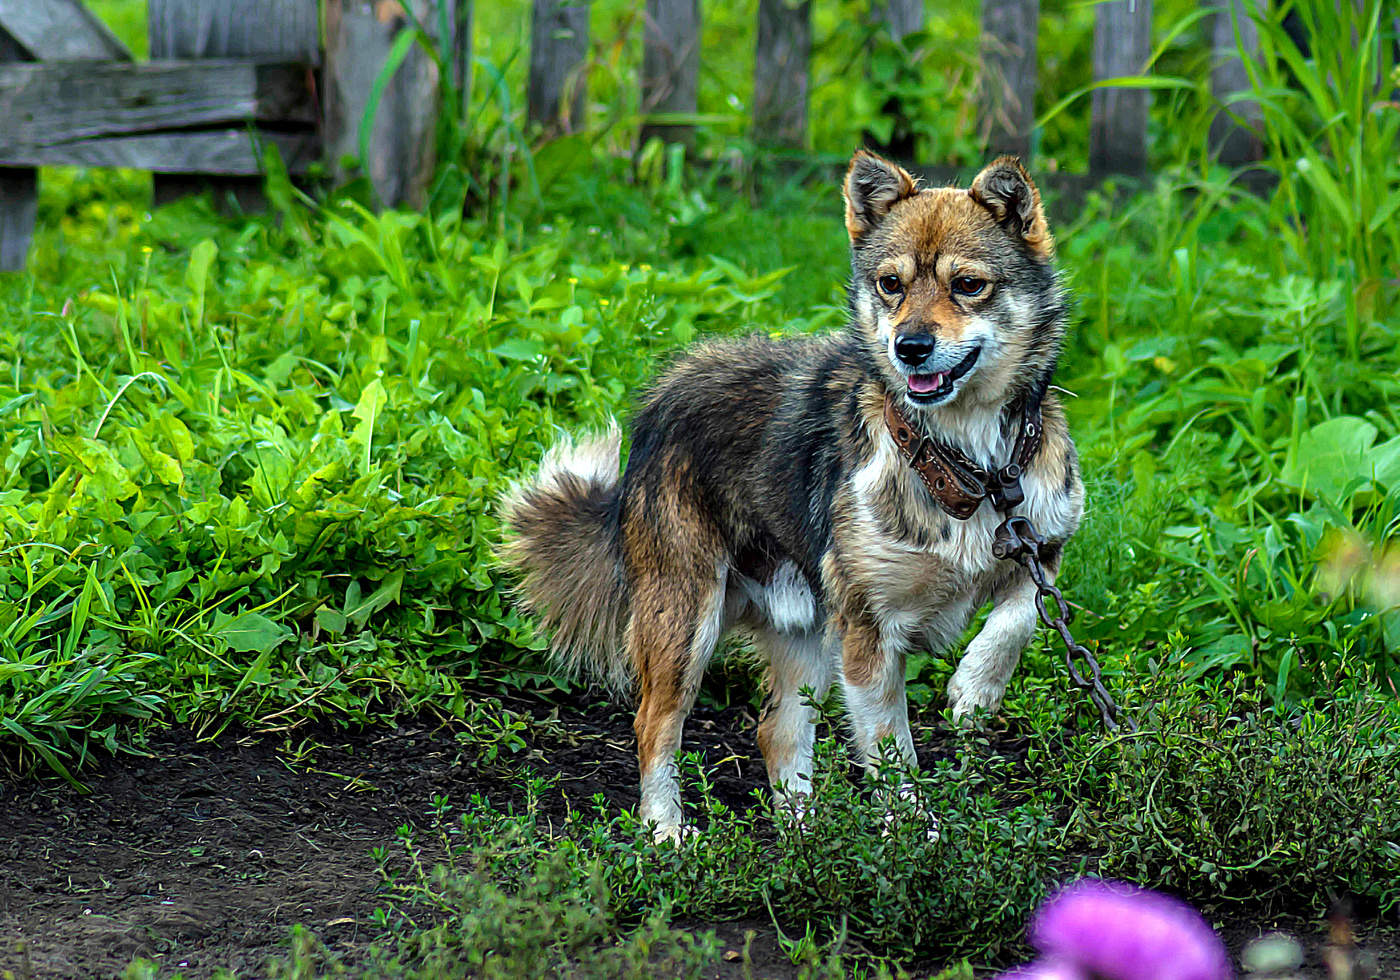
1226	807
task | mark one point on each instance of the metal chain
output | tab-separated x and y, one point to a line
1016	539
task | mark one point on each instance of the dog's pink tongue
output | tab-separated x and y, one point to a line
922	384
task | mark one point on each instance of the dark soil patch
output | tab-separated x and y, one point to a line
204	855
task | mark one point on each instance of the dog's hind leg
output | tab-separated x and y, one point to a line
788	729
672	633
991	657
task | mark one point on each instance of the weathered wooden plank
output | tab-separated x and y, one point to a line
264	30
1118	124
1233	142
1009	73
902	17
558	47
781	72
223	151
670	66
284	30
43	103
401	139
60	30
19	189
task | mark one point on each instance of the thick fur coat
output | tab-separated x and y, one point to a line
763	490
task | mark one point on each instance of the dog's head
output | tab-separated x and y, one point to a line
954	292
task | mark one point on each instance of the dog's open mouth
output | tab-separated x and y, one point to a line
939	385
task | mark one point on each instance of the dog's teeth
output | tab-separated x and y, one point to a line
938	380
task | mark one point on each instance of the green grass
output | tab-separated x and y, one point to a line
250	465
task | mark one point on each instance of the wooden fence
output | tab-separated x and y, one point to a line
672	56
227	78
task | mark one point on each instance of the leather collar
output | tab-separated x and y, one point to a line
956	482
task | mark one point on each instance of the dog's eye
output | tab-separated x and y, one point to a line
890	285
969	285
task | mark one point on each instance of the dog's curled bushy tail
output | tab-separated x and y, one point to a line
561	536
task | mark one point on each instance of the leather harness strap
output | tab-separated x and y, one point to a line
956	482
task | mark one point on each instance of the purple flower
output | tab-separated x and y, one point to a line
1097	929
1047	970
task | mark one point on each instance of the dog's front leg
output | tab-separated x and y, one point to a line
985	670
872	666
872	673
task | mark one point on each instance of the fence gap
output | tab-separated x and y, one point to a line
899	18
1009	74
781	72
1118	125
558	48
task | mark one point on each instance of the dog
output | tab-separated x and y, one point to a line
766	489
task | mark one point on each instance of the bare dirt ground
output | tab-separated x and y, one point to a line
204	855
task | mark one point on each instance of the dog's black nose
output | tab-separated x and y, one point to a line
913	348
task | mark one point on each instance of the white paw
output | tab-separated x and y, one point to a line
966	697
676	834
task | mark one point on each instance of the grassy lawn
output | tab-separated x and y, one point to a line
250	465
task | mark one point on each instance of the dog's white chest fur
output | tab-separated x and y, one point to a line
925	571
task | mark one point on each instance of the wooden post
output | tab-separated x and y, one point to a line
670	66
19	190
1234	143
359	35
241	29
1118	127
33	30
558	48
781	71
901	18
1009	74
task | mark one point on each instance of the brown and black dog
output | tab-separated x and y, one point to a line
764	490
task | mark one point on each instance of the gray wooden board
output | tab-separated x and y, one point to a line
1234	142
224	151
781	72
264	29
1118	116
46	103
400	141
60	30
558	46
1009	73
902	16
670	65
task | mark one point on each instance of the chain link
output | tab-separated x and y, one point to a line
1016	539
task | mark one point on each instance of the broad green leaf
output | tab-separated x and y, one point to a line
249	632
388	591
366	412
519	349
197	273
1331	455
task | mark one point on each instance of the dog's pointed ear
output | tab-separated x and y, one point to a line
873	186
1007	191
